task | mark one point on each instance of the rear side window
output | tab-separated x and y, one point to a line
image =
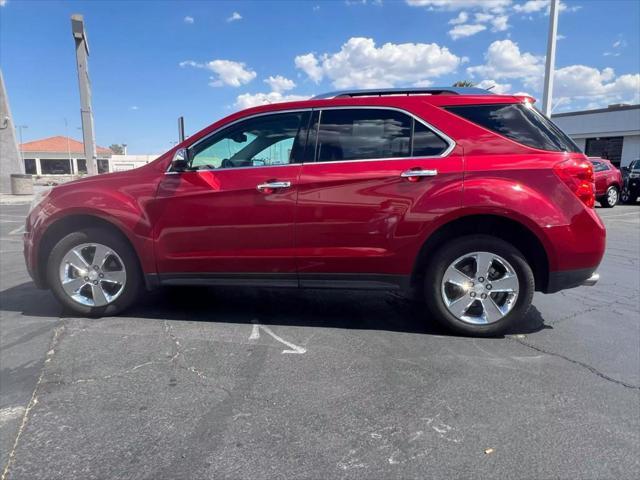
599	166
363	134
519	122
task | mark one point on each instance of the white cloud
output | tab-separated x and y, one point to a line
3	3
316	8
359	63
279	83
531	6
601	86
461	18
499	23
134	107
494	5
227	72
235	16
573	84
461	31
534	6
309	64
247	100
504	59
189	19
495	87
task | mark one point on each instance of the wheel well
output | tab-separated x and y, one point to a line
67	225
509	230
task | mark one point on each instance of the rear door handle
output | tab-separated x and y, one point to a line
268	187
419	173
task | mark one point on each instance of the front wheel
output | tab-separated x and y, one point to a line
478	285
94	272
625	196
610	198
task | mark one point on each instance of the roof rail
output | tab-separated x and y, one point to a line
379	92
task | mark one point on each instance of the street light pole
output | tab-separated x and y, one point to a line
551	59
82	58
20	128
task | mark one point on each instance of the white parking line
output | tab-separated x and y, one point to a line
255	335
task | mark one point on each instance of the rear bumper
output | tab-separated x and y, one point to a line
571	278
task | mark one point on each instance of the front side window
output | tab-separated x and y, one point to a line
368	133
261	141
518	122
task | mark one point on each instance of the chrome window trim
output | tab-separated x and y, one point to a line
451	143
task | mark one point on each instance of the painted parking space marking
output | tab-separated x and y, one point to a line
17	231
293	348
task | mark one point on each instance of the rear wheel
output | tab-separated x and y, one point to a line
94	272
625	195
610	198
478	285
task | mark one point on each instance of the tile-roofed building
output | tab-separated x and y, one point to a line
60	156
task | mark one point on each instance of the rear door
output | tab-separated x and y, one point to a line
379	178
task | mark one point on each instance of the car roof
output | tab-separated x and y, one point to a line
391	98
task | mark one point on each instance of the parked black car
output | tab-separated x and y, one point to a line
631	182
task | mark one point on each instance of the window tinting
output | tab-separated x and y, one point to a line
521	123
261	141
599	166
357	134
426	143
30	166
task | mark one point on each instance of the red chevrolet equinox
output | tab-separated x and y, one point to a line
469	200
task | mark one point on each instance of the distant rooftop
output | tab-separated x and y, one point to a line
59	144
610	108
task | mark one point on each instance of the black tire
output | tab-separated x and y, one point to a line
447	254
625	196
606	202
119	245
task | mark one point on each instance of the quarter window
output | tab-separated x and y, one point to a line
368	134
261	141
518	122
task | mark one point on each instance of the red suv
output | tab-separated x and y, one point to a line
469	199
608	181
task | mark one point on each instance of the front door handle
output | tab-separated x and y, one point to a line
418	172
413	175
269	187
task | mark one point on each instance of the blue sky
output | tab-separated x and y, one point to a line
153	61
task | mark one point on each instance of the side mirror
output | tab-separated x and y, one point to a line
180	161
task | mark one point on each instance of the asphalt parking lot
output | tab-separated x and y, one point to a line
245	383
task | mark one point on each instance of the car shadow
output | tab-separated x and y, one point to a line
287	307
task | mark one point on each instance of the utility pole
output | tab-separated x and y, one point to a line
551	59
82	59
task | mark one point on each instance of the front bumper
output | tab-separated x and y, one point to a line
571	279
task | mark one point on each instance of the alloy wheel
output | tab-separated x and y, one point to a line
92	274
612	196
480	288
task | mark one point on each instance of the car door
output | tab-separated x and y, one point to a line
601	177
380	177
230	214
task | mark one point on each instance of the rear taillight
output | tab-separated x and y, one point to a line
578	176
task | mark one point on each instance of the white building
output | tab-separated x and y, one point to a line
60	159
120	163
612	132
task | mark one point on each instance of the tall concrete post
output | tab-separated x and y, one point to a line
9	153
82	58
551	59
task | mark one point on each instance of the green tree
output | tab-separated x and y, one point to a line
117	148
464	83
